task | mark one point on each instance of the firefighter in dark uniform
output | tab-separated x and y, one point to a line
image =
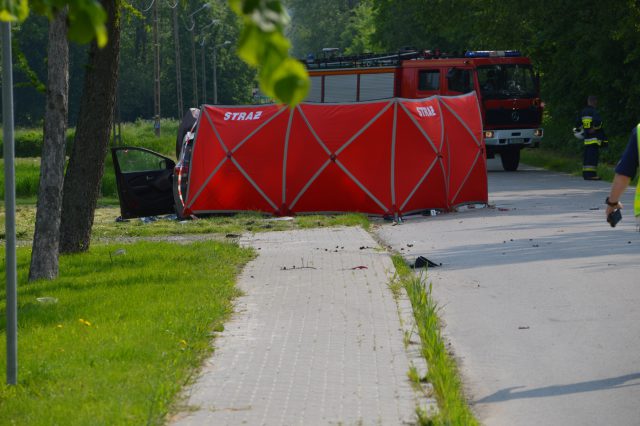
594	138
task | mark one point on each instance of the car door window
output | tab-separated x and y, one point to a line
133	160
428	80
459	80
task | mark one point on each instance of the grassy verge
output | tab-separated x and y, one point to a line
29	143
27	178
442	371
118	333
105	226
572	164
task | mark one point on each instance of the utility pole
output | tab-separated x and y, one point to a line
203	40
156	70
204	71
215	76
10	207
193	52
215	67
176	39
195	70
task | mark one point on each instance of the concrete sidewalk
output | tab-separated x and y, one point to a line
316	339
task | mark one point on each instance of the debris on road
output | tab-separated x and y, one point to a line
422	261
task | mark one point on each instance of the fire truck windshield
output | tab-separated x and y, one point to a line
502	81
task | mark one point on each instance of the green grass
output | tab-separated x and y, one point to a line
105	226
442	372
566	163
140	133
130	325
27	177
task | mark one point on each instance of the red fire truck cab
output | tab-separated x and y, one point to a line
504	81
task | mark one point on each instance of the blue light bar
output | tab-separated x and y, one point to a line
492	53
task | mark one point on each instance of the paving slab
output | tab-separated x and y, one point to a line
540	299
316	339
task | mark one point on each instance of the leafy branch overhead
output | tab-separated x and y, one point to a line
263	44
86	18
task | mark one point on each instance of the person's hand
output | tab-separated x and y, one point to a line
610	209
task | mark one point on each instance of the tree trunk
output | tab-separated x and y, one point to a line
44	257
86	165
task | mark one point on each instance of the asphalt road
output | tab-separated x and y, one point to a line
540	299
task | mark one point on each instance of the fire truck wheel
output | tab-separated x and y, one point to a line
510	158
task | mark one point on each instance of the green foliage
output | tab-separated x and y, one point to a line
23	65
262	44
344	24
86	18
28	142
86	21
122	330
236	80
141	133
14	11
29	145
27	177
357	37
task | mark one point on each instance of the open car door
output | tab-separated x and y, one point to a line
145	182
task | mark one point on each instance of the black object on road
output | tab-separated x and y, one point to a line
422	262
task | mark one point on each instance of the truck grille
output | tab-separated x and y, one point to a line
503	117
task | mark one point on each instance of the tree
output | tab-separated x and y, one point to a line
86	165
262	42
357	37
44	256
316	25
44	259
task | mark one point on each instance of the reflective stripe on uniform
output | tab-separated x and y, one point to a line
593	141
586	122
636	203
589	169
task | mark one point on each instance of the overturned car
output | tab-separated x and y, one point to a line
385	158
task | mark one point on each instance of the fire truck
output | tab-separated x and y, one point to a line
504	81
